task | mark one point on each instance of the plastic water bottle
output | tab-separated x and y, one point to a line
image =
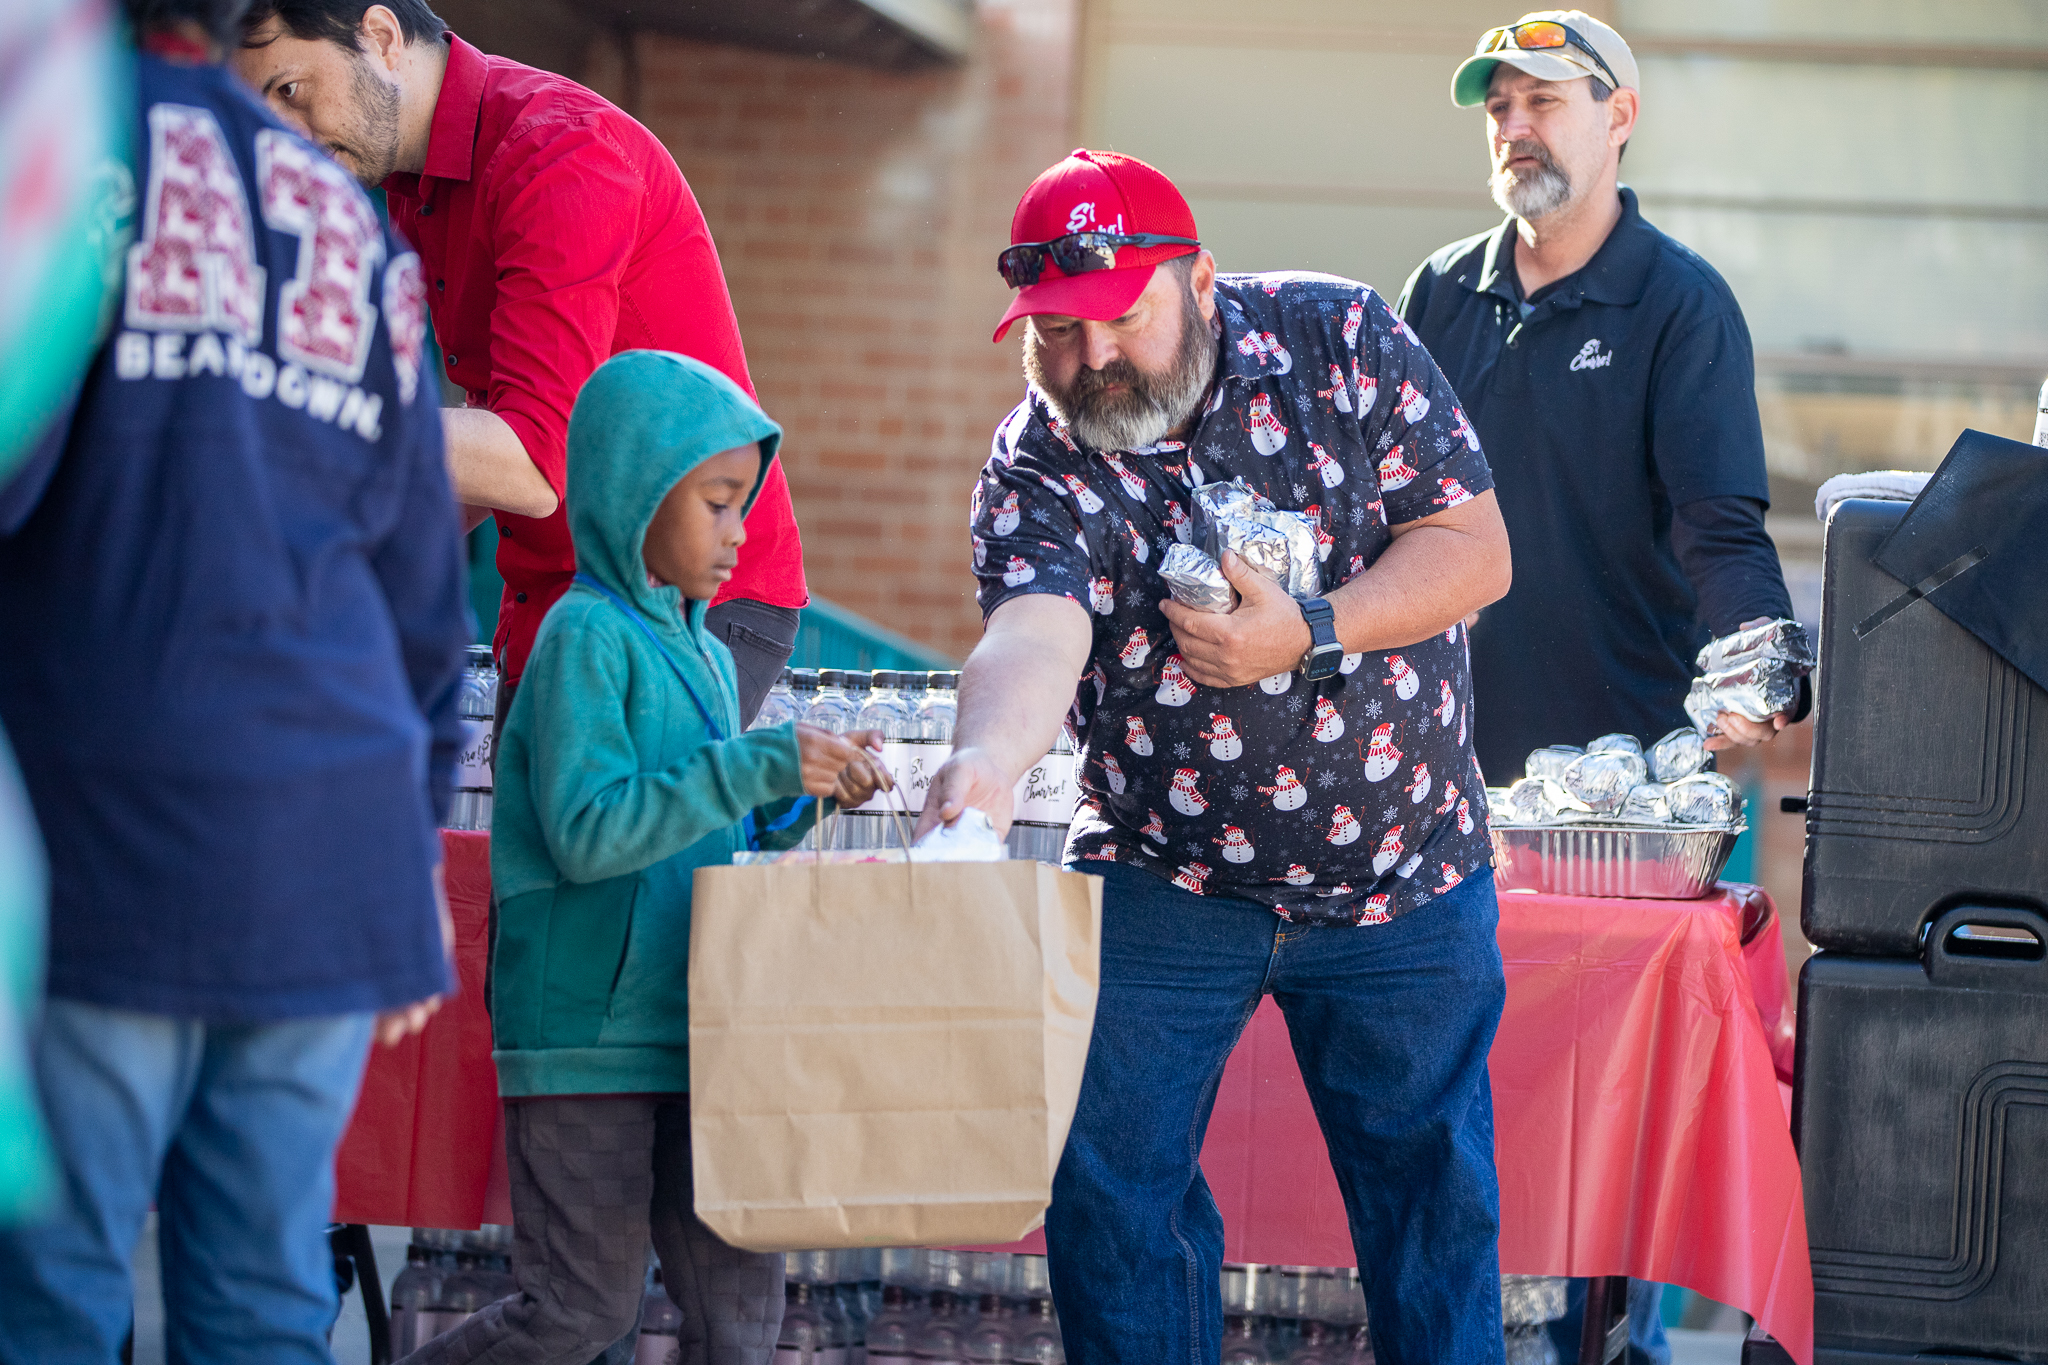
1044	804
993	1340
412	1298
846	1286
940	1339
831	708
1038	1335
476	703
927	750
804	1339
661	1324
1243	1344
892	1333
2041	418
779	706
871	826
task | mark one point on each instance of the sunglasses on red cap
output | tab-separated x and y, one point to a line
1077	253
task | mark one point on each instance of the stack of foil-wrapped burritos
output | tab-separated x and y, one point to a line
1753	673
1234	516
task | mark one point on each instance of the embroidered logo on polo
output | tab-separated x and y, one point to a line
1591	357
1319	800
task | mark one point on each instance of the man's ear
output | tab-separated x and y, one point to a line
381	37
1622	108
1202	281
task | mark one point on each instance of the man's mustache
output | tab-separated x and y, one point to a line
1088	383
1528	148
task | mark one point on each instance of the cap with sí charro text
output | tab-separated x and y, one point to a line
1097	192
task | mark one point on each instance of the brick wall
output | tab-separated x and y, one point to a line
858	213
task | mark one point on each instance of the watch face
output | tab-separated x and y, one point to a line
1321	662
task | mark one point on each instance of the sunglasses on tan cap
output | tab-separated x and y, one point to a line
1540	35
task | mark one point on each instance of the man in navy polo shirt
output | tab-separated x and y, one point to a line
1281	799
1608	371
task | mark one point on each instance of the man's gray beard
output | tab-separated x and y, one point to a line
1152	406
1537	195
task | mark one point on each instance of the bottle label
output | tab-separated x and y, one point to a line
473	760
657	1348
921	764
896	760
1047	794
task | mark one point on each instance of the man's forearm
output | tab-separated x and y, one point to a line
1018	684
488	466
1434	574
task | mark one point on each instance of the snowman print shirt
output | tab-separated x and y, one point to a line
1350	800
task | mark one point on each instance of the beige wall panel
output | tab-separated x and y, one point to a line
1992	23
1314	120
1907	288
1904	135
1379	246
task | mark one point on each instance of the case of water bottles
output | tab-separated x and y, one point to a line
915	713
905	1306
448	1276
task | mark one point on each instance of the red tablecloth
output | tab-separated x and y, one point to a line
1640	1123
426	1147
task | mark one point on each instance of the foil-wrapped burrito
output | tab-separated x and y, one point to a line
1753	673
1541	801
1196	580
1603	780
1679	754
1704	799
1236	517
1646	804
1552	762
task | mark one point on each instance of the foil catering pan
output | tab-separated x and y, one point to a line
1667	862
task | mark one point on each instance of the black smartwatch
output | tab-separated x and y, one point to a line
1324	655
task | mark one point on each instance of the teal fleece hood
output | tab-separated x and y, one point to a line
622	768
645	419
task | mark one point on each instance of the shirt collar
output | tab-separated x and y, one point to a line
451	141
1617	273
1245	356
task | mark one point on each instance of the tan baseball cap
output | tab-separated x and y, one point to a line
1547	45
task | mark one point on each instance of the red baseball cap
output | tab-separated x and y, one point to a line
1097	192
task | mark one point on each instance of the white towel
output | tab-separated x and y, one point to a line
1886	485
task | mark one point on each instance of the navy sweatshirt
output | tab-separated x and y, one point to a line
231	596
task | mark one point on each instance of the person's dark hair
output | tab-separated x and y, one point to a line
1602	92
218	17
339	21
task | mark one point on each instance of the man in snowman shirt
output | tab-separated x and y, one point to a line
1245	775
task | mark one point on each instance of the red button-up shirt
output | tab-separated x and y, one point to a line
556	232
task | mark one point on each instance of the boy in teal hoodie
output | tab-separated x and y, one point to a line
621	771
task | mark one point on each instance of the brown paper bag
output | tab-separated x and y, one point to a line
886	1054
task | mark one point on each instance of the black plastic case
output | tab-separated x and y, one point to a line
1921	1114
1930	760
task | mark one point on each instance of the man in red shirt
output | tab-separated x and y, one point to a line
555	232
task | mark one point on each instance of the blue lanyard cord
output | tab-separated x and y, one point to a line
717	730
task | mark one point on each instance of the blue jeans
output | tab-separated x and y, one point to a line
1391	1024
231	1132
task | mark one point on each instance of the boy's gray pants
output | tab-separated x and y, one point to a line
593	1178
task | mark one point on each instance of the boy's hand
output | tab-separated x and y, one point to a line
865	776
839	766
